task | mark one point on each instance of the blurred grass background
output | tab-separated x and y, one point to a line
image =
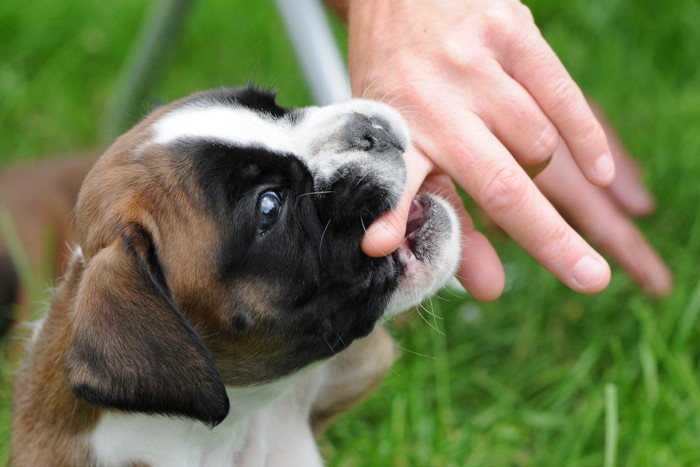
542	376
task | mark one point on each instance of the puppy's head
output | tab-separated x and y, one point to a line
221	246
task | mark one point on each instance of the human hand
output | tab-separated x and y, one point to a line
486	99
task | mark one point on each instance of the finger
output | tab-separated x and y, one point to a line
628	189
600	220
632	251
386	233
517	121
538	69
480	270
508	196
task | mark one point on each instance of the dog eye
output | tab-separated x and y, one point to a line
269	206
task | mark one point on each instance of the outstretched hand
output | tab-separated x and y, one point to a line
487	101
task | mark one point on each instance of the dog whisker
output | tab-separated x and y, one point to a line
391	226
425	320
444	299
364	175
329	345
451	292
413	352
320	245
369	87
434	327
397	97
311	193
364	227
340	338
432	312
460	277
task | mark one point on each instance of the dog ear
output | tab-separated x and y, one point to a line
131	347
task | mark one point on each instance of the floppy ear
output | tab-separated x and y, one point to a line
131	348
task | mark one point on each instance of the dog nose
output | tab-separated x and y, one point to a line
355	154
371	134
369	175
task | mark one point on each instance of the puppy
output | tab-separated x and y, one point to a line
208	315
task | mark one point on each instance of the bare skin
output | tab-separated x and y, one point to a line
489	105
603	215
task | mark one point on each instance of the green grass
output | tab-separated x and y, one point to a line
542	376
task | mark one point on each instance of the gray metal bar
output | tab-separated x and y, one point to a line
316	50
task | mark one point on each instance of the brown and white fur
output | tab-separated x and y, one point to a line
218	309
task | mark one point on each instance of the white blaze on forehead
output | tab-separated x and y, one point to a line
311	135
320	117
247	127
236	125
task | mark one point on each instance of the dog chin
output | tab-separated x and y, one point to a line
428	255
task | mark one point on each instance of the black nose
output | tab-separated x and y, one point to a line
364	185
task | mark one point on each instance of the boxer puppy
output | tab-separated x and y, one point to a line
216	308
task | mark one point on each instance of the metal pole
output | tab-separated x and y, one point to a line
316	50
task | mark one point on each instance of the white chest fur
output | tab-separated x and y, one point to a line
268	425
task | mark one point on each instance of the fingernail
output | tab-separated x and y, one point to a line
589	272
604	168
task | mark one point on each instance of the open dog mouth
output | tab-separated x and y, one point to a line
408	253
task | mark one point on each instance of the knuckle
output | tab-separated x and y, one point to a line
499	21
545	144
504	191
507	22
558	240
564	93
592	134
471	61
524	12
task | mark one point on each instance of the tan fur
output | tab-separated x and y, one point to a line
41	388
356	372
